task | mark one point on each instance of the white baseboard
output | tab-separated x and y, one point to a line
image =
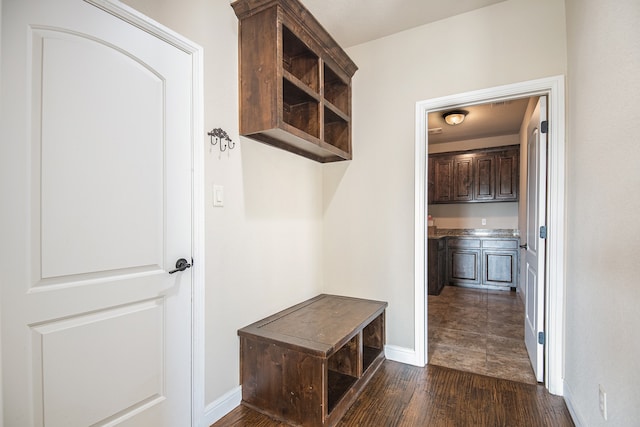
568	399
401	354
222	406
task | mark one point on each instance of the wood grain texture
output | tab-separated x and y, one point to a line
475	176
404	395
307	364
295	81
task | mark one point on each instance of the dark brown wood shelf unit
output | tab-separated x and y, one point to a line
295	81
306	365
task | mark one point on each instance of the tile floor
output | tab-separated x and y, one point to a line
479	331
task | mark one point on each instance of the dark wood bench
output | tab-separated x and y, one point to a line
306	365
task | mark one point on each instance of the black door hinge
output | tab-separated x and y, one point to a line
544	126
543	232
541	338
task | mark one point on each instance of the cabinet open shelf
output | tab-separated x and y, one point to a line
299	109
372	341
336	130
336	91
299	60
295	81
343	371
338	385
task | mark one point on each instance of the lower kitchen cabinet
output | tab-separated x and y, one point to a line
437	265
500	262
490	263
464	261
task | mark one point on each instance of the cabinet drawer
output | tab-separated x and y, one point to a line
500	243
464	243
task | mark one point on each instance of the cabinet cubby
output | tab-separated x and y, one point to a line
299	60
299	109
336	130
336	91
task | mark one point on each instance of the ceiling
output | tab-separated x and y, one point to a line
484	120
352	22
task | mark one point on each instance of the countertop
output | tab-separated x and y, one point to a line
439	233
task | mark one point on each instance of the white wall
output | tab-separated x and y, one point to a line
603	231
369	202
470	215
263	248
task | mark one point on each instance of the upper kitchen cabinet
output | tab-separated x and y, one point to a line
295	81
486	175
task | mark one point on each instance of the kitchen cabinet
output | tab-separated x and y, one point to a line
437	265
306	365
484	169
464	261
463	178
500	262
441	179
507	175
485	262
295	81
487	175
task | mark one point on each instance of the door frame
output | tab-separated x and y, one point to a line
196	53
554	88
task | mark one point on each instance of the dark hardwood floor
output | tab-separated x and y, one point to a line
404	395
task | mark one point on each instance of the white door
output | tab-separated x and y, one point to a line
534	259
96	209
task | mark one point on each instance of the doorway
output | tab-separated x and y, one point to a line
554	286
478	323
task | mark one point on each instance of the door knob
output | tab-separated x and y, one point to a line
181	265
524	246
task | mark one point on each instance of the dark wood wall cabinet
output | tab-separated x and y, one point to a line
295	81
490	263
307	364
487	175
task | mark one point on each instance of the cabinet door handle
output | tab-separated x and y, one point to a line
524	246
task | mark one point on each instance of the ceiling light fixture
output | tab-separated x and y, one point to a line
455	117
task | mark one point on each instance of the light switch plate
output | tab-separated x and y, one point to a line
218	195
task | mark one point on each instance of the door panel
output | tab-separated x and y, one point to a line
98	177
78	203
534	259
462	178
69	364
485	177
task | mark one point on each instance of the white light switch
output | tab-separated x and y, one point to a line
484	221
218	195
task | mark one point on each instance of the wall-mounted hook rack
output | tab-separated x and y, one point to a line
218	136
